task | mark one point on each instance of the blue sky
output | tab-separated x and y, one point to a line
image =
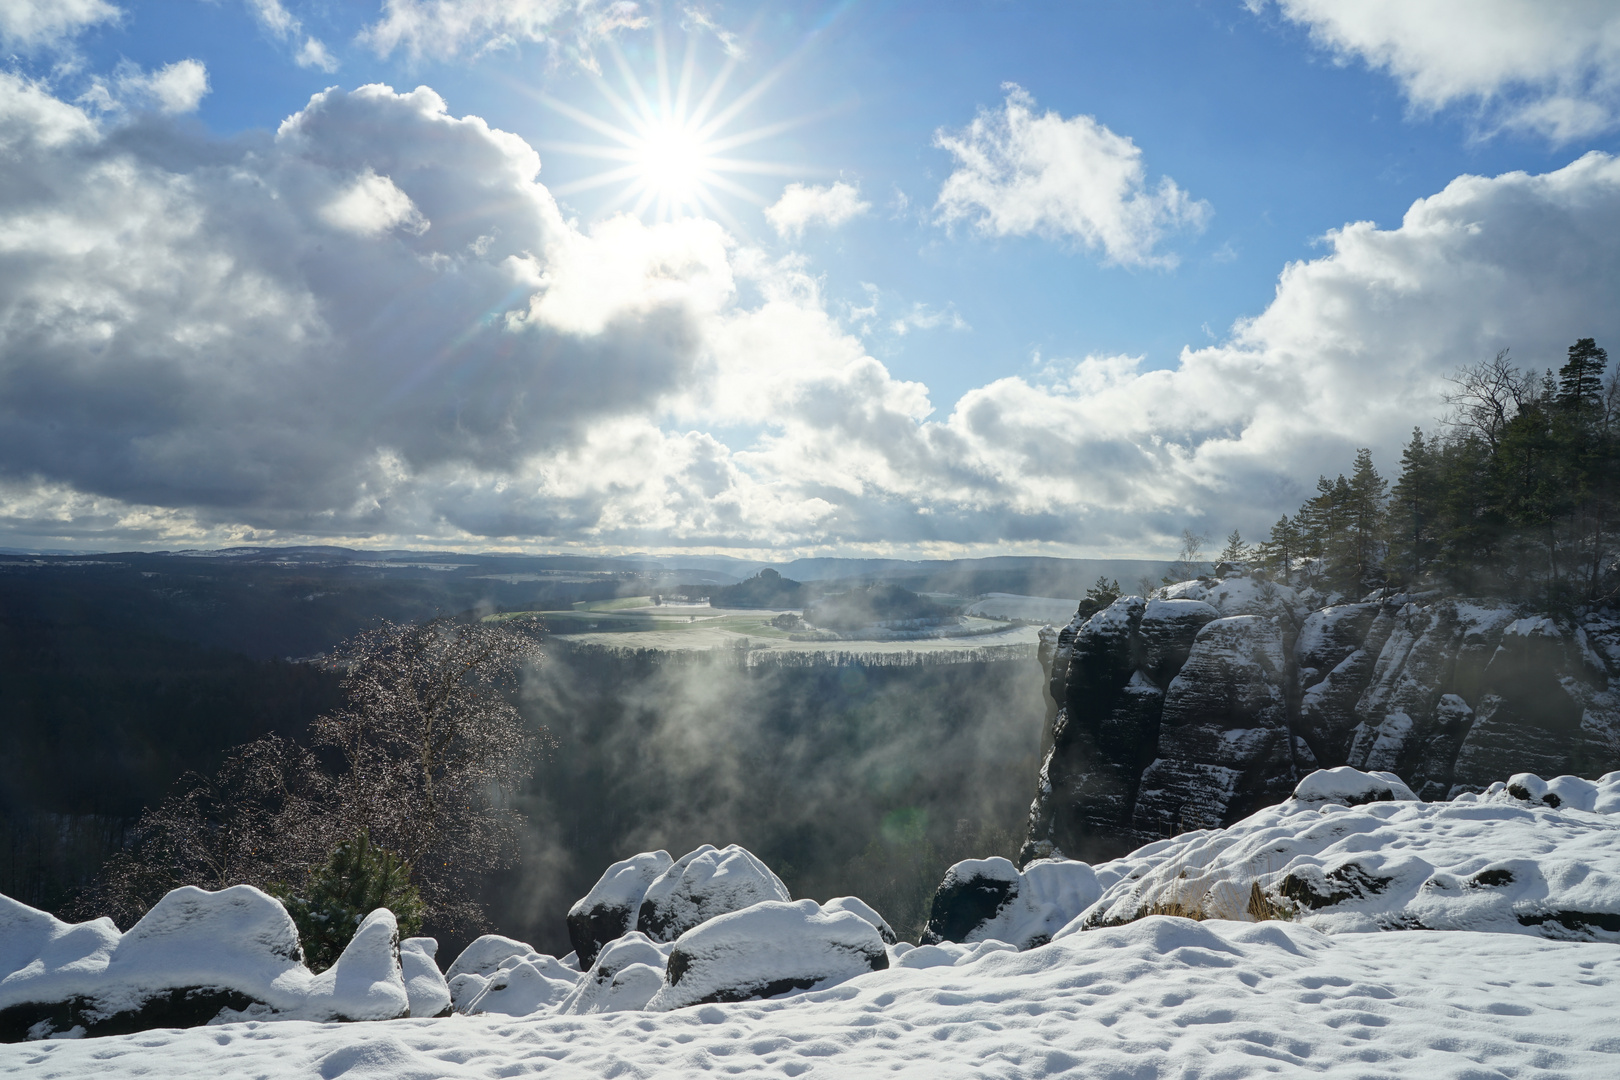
932	373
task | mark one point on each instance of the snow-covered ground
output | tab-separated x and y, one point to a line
1474	938
1000	605
1162	997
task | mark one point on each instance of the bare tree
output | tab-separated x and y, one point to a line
1489	394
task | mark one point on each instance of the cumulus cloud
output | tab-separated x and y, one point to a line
802	205
1549	66
1018	173
33	24
172	89
443	29
375	324
285	26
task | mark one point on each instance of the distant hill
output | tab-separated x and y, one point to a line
873	605
766	589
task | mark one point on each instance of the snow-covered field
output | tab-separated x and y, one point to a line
1162	997
1475	938
999	605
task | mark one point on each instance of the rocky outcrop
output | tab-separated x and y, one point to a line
1210	700
612	906
992	900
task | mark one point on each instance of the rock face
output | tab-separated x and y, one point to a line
766	950
1198	707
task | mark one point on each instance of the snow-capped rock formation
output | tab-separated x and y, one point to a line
628	971
195	957
992	900
1195	708
1354	852
766	950
425	984
612	906
703	884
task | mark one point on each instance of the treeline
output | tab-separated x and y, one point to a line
1515	495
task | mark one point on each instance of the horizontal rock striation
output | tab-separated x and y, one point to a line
1209	701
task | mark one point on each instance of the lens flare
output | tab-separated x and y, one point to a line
671	147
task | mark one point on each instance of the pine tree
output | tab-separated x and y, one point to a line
1278	552
1236	551
357	880
1414	510
1364	513
1580	380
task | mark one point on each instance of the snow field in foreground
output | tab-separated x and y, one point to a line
1162	997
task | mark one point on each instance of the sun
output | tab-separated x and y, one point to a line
670	148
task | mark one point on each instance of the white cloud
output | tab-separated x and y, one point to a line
32	24
173	89
923	317
1018	173
443	29
801	206
189	354
1550	66
283	25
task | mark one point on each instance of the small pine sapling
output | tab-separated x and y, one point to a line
358	879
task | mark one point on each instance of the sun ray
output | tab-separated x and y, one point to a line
671	156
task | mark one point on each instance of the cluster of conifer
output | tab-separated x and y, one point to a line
1517	494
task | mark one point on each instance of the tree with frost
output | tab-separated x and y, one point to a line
427	745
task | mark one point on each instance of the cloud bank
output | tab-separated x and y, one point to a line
35	24
1018	174
1547	66
374	324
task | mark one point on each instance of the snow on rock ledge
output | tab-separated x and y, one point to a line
767	950
990	900
1350	787
1507	861
703	884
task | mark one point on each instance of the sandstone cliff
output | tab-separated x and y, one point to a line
1211	699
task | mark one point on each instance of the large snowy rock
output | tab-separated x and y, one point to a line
367	982
703	884
513	969
1349	787
425	984
857	906
767	950
1511	860
521	986
612	906
627	973
991	900
194	957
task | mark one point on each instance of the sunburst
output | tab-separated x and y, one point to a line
673	156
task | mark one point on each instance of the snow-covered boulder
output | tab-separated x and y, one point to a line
45	961
425	985
612	906
1508	861
1349	787
193	955
503	975
367	982
1236	595
703	884
860	907
628	972
767	950
991	900
523	985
